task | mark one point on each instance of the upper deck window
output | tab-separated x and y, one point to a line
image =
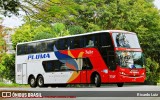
125	40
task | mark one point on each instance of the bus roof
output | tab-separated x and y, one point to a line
94	32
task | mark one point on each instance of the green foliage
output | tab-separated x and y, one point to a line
13	85
9	6
152	70
59	29
2	69
2	44
42	35
22	34
31	31
7	67
76	30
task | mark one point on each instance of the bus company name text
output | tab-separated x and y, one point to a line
38	56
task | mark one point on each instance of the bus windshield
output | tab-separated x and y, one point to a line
125	40
130	59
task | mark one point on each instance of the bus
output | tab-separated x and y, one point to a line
99	57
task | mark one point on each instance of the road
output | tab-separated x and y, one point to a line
132	92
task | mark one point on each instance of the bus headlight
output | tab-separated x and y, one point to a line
122	73
105	71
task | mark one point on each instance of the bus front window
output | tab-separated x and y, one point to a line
129	59
126	40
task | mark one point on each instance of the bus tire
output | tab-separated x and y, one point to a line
40	81
120	84
97	80
32	82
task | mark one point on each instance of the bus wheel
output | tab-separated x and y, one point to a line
40	81
97	80
120	84
32	82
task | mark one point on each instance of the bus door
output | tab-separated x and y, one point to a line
112	67
86	69
21	75
83	76
24	73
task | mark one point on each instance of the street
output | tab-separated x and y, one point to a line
132	92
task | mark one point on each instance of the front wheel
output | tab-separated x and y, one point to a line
97	80
40	81
32	82
120	84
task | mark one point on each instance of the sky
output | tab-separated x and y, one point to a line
157	3
15	21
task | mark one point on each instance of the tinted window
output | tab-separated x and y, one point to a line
106	47
105	40
31	48
71	45
54	65
86	64
50	45
78	42
61	44
41	47
67	65
50	66
21	49
89	41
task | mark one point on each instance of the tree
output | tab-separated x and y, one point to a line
73	29
23	34
152	68
59	29
2	41
42	35
8	7
7	67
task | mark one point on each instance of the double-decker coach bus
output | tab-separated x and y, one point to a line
108	56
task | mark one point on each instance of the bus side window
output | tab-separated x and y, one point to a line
96	40
19	49
50	45
90	41
77	42
111	61
44	47
41	47
32	48
24	49
57	44
51	65
61	44
86	64
67	43
71	43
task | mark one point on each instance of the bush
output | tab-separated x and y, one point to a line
152	71
7	67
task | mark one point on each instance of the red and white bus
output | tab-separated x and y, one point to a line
108	56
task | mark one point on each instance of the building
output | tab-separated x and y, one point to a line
7	37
